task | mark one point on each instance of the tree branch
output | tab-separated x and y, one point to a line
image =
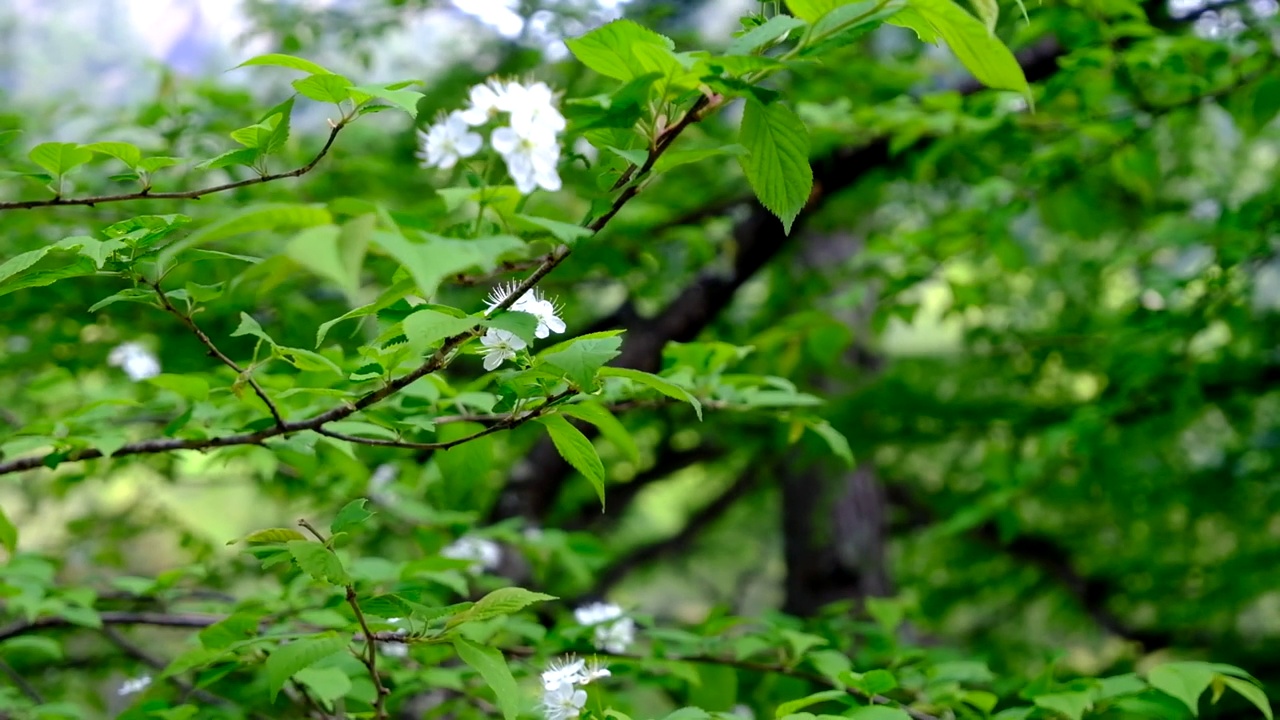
213	349
146	194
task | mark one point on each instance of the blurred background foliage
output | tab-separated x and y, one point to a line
1050	337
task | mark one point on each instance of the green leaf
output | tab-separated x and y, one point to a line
232	629
307	360
777	164
1250	692
97	250
834	438
274	535
613	430
1185	681
285	61
136	295
763	35
1073	705
406	100
577	450
58	158
152	164
567	233
324	87
878	712
425	328
847	18
913	20
522	324
44	266
430	262
290	658
986	57
811	10
988	11
127	153
649	380
249	326
503	601
351	514
492	666
187	386
253	219
318	561
610	49
670	160
790	707
8	533
582	357
240	156
324	684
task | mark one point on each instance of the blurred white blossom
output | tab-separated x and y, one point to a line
614	632
564	702
448	141
532	157
134	685
486	100
484	554
137	361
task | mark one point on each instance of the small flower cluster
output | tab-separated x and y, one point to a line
136	360
563	697
484	554
529	143
614	631
502	345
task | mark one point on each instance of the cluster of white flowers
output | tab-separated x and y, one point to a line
502	345
563	697
529	143
136	360
395	649
614	631
484	554
134	685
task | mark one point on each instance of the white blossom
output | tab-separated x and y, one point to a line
486	100
484	554
531	157
393	649
531	302
562	672
564	702
499	346
594	670
137	362
448	141
533	109
614	632
134	685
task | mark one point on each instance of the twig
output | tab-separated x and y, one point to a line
370	656
27	688
158	619
436	362
213	349
146	194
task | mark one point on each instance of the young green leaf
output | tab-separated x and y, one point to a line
790	707
610	49
58	157
988	11
577	450
406	100
613	430
492	666
1185	681
503	601
324	87
649	380
1250	692
318	561
352	514
981	52
425	328
435	258
777	163
835	439
285	61
289	658
763	35
581	358
1071	704
127	153
274	535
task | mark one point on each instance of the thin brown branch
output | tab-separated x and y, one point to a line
370	655
214	351
25	687
146	194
